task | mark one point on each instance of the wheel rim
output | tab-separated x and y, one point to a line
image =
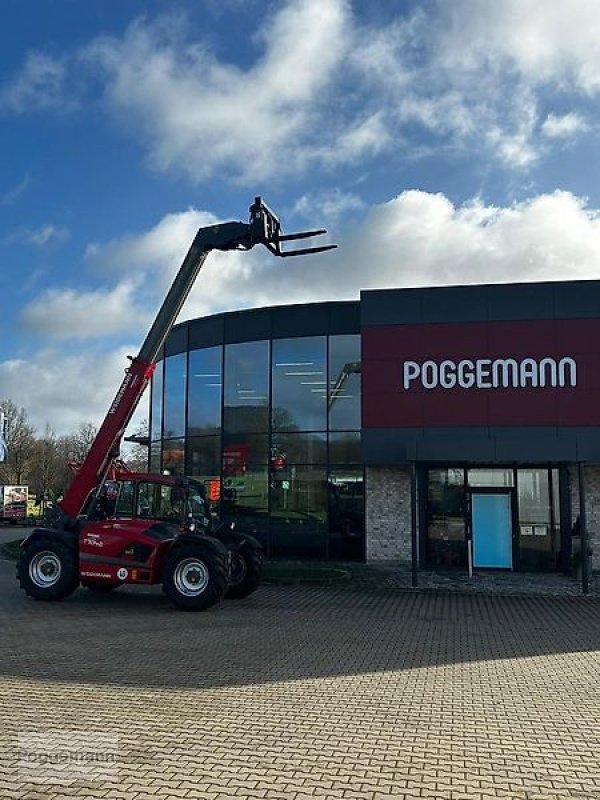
45	569
191	577
239	569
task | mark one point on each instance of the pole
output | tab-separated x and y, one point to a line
3	448
585	559
413	525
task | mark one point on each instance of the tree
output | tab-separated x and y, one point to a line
45	472
72	450
20	440
136	453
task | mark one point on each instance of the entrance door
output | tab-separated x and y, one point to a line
492	530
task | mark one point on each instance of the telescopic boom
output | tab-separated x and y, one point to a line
263	228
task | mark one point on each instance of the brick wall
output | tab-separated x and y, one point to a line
388	514
592	505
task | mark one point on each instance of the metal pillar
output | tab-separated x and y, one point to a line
413	525
585	554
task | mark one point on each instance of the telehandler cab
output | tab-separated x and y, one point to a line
114	527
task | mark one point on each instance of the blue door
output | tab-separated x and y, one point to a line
492	530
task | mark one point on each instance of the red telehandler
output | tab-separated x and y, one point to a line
114	527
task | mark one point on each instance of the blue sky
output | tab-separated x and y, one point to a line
438	142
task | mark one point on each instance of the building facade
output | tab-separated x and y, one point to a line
452	428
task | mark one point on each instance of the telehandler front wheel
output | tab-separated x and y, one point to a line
47	570
195	576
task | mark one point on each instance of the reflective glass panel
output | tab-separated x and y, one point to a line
346	506
246	500
204	391
539	539
299	512
344	448
344	382
490	477
297	448
174	408
156	402
172	456
247	387
204	457
299	384
242	449
446	529
155	457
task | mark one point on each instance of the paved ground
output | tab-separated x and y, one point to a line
300	693
12	534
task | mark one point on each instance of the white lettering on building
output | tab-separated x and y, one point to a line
485	373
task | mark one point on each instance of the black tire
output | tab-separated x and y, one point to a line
101	588
246	570
47	569
195	575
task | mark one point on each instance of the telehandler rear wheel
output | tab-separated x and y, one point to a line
195	576
47	570
246	569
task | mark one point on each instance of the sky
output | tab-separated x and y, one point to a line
439	143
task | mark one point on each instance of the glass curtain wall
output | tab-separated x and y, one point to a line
245	450
345	478
299	443
204	411
273	429
174	403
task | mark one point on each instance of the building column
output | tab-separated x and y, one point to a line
592	511
388	515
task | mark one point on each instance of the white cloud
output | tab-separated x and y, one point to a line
564	126
421	239
13	194
199	115
39	86
163	246
74	314
327	205
415	239
44	235
154	257
326	88
514	144
65	390
545	43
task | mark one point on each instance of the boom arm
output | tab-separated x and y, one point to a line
263	228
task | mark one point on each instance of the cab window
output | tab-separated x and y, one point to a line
125	501
170	502
145	500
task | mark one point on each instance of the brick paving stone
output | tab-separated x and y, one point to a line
298	693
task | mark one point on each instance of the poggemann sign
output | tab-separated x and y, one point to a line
482	374
487	373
